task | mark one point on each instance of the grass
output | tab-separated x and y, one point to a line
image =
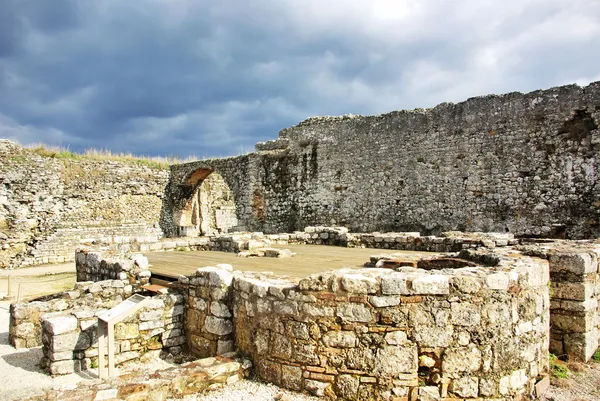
154	162
558	368
596	356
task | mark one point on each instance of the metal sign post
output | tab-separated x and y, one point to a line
106	331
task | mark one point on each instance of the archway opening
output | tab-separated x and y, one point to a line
210	207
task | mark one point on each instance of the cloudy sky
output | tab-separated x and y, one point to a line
211	78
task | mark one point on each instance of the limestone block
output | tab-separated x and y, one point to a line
317	310
152	324
219	309
124	331
347	386
466	284
218	326
497	281
576	263
224	347
465	314
70	341
581	346
434	284
315	387
153	314
580	291
340	339
60	324
394	284
391	360
433	336
281	347
285	307
359	284
396	338
465	386
429	393
461	359
354	312
24	329
291	377
141	261
63	367
382	302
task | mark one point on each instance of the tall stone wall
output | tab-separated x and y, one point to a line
522	163
48	205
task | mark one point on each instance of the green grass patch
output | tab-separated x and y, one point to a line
558	368
596	356
158	163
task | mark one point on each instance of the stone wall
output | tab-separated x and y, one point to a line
209	313
575	296
357	334
93	266
26	317
522	163
70	338
49	205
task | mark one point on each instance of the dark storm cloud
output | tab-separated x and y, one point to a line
212	78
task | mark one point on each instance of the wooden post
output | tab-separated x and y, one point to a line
102	332
111	350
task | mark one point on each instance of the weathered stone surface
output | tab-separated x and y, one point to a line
431	284
61	324
218	326
392	360
354	312
340	339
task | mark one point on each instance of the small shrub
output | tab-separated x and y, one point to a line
596	356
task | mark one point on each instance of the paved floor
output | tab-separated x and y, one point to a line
309	259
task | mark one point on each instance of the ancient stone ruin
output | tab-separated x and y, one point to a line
494	197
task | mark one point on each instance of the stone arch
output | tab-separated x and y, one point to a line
208	207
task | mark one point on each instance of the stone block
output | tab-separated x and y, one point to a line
359	284
466	386
465	314
461	360
391	360
394	284
60	324
215	276
219	309
575	263
291	377
340	339
382	302
347	386
218	326
353	312
63	367
434	284
70	342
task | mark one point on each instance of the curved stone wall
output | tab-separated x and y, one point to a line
478	331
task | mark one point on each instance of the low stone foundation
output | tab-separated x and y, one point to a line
190	378
469	332
70	342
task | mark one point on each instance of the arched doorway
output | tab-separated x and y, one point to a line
210	208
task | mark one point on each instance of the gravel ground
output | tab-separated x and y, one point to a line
19	369
582	386
252	391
